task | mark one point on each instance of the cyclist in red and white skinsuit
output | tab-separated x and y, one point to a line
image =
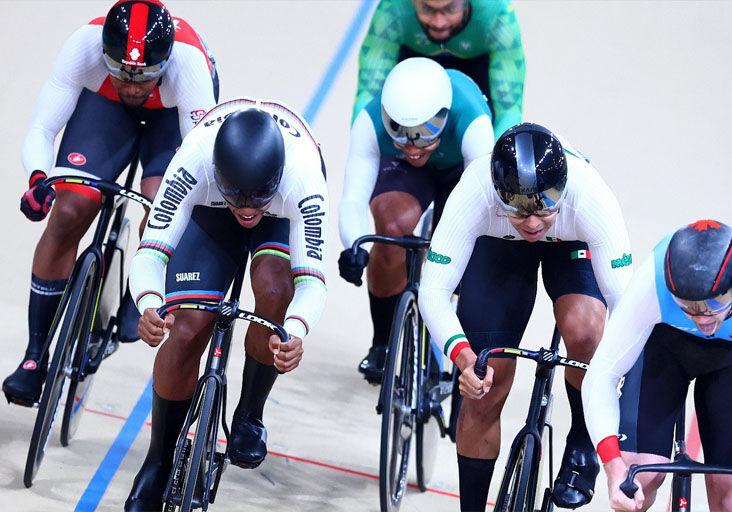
139	64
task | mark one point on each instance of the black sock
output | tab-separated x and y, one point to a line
475	478
45	297
257	382
578	436
382	313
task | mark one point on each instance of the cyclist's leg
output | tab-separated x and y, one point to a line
580	312
652	394
497	296
159	140
400	195
202	266
711	396
273	289
98	140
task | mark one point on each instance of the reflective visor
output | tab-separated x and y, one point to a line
133	73
238	198
710	307
542	204
421	135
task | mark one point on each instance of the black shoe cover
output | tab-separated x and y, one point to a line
24	385
575	484
372	366
248	442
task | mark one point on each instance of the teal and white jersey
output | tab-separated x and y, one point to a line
467	136
645	303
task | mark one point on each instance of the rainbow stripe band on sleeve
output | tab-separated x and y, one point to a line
454	345
273	249
213	295
301	320
145	294
156	249
307	274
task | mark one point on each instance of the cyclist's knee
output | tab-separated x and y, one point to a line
71	216
581	320
190	333
272	283
719	492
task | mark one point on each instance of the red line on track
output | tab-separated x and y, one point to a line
300	459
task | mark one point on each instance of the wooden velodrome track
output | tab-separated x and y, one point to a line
640	87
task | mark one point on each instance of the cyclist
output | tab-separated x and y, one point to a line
408	147
539	201
249	179
481	38
672	326
137	64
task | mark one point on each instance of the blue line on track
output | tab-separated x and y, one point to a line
110	464
347	43
112	460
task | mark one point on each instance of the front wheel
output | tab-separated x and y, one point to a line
74	322
516	493
398	409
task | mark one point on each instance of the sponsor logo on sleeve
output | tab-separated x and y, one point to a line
311	209
197	115
176	189
623	261
438	258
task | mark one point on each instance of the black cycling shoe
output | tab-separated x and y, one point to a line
248	441
372	366
575	484
128	319
147	491
24	385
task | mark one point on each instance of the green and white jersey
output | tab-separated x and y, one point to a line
488	49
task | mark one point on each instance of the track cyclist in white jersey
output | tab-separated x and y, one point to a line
672	326
409	146
249	179
538	201
137	64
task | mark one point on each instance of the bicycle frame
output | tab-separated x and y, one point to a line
546	360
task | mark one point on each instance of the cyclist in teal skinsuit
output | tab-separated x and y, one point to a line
481	38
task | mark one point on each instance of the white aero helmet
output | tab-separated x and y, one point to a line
415	101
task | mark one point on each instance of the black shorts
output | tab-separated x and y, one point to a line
213	247
498	288
427	185
654	391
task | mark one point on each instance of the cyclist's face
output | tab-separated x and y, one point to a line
533	227
133	94
440	18
416	156
708	324
248	217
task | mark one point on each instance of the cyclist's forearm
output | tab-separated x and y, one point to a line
306	307
147	275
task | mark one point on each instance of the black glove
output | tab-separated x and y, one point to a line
351	267
37	200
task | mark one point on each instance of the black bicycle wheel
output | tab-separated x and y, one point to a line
427	432
398	419
192	490
71	321
515	494
76	398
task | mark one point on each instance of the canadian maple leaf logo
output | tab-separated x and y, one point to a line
703	225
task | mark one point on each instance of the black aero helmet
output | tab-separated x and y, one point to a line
248	156
529	170
698	269
137	39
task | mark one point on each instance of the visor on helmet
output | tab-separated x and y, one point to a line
245	198
542	204
709	307
128	73
421	135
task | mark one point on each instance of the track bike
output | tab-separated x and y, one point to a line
83	331
198	464
521	483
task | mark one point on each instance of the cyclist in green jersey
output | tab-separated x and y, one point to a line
481	38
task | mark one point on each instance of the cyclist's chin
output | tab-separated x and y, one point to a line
133	101
249	221
708	326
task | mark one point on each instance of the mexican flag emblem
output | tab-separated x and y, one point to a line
583	254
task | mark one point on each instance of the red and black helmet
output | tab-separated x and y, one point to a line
137	39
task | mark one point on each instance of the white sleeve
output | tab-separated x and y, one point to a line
192	86
625	335
477	139
362	170
600	223
184	186
307	208
450	250
57	101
